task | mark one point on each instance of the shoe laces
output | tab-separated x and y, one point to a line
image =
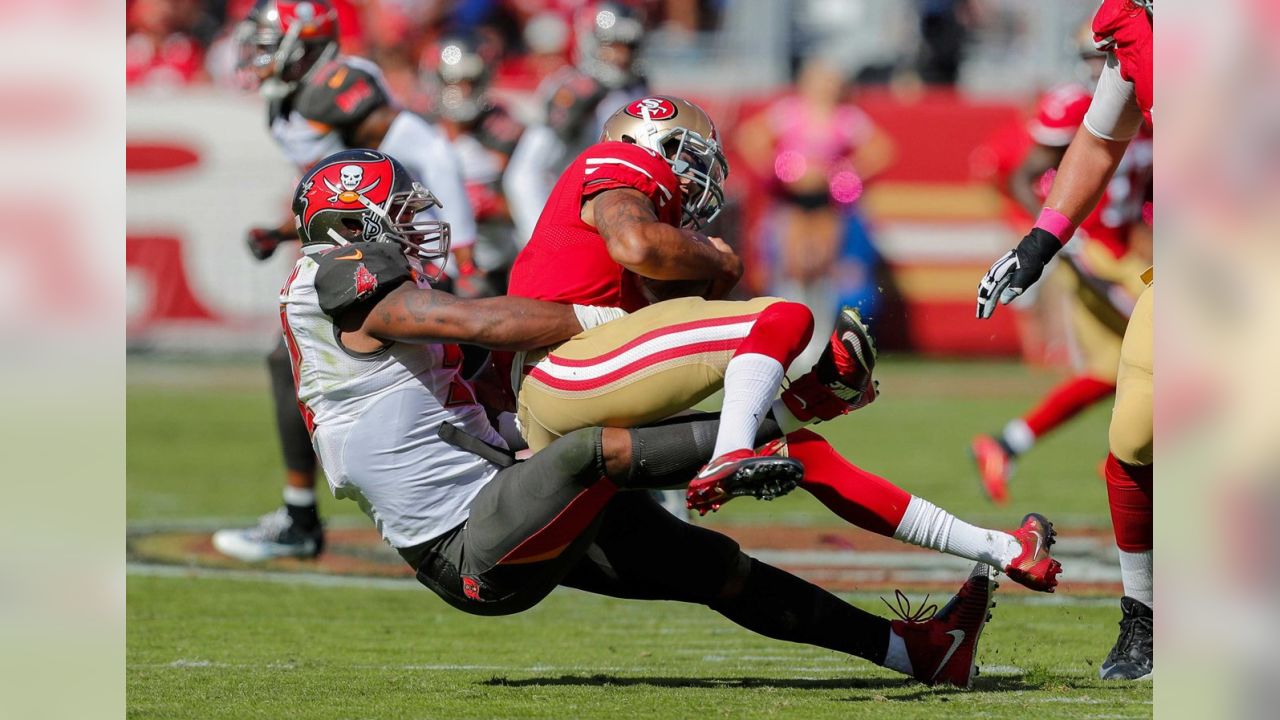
1129	635
903	609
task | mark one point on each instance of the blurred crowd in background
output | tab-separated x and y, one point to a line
785	81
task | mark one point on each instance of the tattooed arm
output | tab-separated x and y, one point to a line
638	241
416	315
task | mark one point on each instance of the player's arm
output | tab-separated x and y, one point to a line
1112	121
640	242
418	315
263	241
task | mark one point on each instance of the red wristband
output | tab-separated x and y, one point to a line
1056	224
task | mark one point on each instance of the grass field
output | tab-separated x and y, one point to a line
202	451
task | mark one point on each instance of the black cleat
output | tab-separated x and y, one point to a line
1132	656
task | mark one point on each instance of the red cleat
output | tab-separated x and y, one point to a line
1033	567
994	468
739	473
841	381
943	649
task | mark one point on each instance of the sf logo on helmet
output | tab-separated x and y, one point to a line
656	108
349	191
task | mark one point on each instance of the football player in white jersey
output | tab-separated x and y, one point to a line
319	102
578	99
398	429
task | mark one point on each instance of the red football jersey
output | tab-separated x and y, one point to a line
566	259
1124	29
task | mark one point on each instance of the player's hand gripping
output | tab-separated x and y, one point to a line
1016	270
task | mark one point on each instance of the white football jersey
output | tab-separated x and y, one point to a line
374	420
306	142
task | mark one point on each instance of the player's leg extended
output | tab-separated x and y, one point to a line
1096	341
642	552
873	503
294	530
1129	473
658	361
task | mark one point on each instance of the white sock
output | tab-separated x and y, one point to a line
897	658
1135	574
751	381
1018	436
299	496
928	525
788	422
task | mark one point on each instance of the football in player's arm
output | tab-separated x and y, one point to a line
640	242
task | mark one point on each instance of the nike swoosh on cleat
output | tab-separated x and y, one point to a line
1039	542
957	637
854	342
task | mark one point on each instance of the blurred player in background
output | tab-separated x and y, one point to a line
1101	273
605	75
814	150
456	73
318	102
1123	99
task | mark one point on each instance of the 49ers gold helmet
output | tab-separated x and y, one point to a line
684	134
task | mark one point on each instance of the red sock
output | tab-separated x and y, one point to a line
781	331
1066	401
859	497
1129	493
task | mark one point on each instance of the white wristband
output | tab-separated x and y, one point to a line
590	316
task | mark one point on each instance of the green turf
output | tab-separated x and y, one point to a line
202	648
202	446
209	450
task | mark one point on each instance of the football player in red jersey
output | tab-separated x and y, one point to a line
319	102
1123	99
1102	272
618	228
399	431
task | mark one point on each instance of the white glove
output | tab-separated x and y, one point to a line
590	316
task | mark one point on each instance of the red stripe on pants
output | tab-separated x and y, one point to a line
568	524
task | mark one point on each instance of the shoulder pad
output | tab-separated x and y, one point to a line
571	102
497	130
360	273
341	94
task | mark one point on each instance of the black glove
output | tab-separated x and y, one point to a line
1016	270
263	242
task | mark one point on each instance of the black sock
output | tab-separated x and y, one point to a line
1004	445
777	604
304	517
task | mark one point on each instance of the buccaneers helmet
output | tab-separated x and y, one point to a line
607	40
280	41
367	196
685	136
